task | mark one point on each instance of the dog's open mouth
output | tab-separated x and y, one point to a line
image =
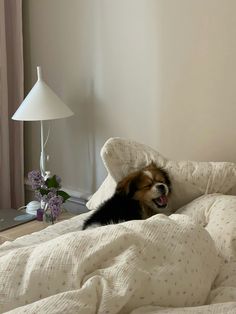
161	201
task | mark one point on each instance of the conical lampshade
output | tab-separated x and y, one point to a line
41	104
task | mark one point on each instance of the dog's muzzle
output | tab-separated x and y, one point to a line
162	200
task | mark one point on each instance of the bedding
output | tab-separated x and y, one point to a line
190	179
184	263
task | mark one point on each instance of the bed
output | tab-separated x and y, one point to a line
182	263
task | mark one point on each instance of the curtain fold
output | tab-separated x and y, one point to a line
11	95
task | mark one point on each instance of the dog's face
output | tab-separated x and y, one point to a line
150	186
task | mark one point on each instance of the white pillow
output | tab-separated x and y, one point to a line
190	179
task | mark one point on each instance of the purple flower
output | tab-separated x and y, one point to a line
54	204
38	195
36	179
46	197
52	191
47	190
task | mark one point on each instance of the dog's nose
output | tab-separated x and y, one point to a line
161	188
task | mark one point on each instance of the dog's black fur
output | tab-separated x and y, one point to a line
117	209
127	203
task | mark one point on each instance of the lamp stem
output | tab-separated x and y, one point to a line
39	73
42	154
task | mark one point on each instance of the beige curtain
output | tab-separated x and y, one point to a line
11	95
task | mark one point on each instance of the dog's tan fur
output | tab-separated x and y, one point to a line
140	195
143	181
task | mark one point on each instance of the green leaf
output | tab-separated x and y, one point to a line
64	195
52	182
43	191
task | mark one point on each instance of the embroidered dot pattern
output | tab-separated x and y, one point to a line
118	268
217	213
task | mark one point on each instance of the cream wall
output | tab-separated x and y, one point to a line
158	71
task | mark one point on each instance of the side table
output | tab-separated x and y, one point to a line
29	227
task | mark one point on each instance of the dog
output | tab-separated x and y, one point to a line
139	195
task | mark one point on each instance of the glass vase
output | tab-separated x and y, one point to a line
48	217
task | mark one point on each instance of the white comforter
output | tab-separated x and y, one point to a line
161	265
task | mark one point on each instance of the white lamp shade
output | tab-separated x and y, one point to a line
41	104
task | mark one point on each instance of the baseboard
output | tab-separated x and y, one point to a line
76	203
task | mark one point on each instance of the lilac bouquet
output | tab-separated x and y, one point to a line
48	192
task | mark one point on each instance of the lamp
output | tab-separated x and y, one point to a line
41	104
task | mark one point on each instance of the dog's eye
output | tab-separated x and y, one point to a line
147	186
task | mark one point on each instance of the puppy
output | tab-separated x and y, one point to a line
138	196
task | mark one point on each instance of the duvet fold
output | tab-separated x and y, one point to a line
162	261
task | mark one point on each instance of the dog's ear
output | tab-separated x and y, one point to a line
128	185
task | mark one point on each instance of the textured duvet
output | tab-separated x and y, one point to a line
185	263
